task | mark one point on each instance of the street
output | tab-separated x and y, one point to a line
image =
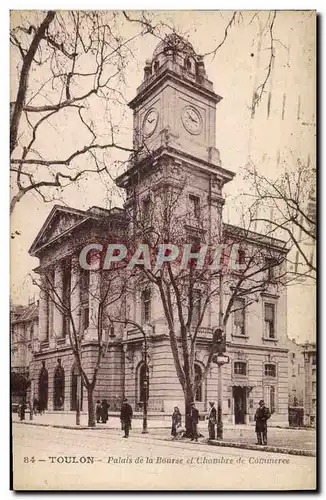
61	459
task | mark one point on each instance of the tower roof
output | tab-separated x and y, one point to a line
176	44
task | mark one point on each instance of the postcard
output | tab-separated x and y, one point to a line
163	250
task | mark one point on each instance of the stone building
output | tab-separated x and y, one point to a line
310	389
24	327
174	115
296	374
302	383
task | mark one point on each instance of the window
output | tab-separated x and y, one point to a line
240	368
313	359
196	307
299	369
239	316
66	285
188	64
85	318
84	283
156	66
269	319
270	398
194	203
270	264
270	370
198	377
241	256
146	306
146	211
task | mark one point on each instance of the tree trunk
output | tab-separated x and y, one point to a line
91	408
189	398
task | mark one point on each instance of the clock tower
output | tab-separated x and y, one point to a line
175	113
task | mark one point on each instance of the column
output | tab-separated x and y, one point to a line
57	299
43	312
93	301
75	293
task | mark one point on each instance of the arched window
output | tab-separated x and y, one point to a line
74	388
188	64
156	66
59	387
43	383
198	378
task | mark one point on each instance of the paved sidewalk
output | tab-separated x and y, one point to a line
293	441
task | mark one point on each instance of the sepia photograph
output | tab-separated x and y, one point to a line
163	250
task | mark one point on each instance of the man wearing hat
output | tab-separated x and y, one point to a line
125	417
211	420
194	414
261	416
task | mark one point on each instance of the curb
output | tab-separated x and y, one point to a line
75	427
270	449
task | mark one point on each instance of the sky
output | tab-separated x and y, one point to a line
238	67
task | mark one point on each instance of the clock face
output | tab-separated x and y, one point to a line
150	122
192	120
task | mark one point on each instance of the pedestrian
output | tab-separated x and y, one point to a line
176	421
211	420
105	410
261	416
36	406
125	417
194	413
22	409
98	411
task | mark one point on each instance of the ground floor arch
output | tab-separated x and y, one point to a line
74	390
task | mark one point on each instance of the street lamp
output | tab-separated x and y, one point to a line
220	360
146	381
219	343
144	431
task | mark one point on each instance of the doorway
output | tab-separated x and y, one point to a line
59	388
73	400
43	389
240	405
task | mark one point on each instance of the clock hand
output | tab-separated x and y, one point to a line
150	121
190	117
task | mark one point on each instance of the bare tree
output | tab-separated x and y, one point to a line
188	292
70	70
286	207
105	289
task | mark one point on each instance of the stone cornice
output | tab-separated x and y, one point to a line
169	75
169	152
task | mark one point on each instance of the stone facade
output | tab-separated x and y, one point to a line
310	392
24	327
296	374
174	117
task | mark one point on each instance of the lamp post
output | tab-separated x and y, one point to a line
146	381
144	431
220	359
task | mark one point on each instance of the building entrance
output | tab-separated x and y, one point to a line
240	404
